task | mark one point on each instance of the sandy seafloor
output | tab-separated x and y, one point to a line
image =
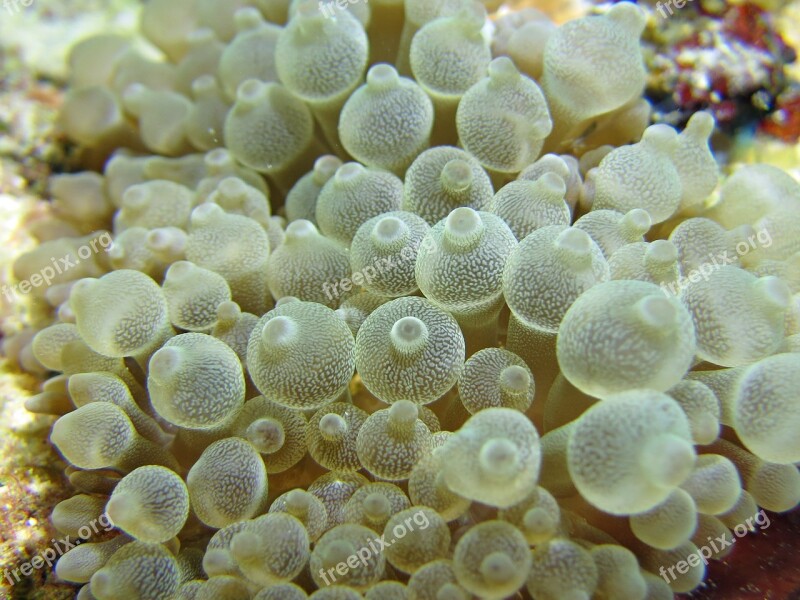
34	42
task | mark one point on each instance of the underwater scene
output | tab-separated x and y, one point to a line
399	300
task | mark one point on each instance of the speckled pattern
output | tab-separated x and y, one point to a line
32	476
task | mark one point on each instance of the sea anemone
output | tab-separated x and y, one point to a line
452	326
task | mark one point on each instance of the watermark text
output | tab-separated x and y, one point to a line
762	237
14	6
328	8
59	265
374	547
715	546
48	556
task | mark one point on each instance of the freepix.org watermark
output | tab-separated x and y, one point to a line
59	265
328	8
715	546
367	274
663	7
761	238
374	547
379	265
15	6
48	556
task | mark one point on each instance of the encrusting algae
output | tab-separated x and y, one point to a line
396	300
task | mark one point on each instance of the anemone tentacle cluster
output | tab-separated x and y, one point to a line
411	271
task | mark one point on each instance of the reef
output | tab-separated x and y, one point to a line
405	300
731	59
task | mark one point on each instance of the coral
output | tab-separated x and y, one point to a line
714	484
447	57
764	414
618	575
301	201
193	296
655	333
288	591
611	230
492	560
255	37
436	579
701	407
375	249
731	62
537	516
374	504
124	313
630	469
228	483
393	440
306	508
592	67
459	268
121	576
501	346
285	127
293	339
331	436
529	205
151	504
354	195
306	263
387	590
99	435
420	545
442	179
656	262
494	458
336	546
275	431
640	175
233	246
322	61
195	381
496	377
510	136
409	349
427	487
548	271
271	549
562	569
387	121
669	524
89	558
738	317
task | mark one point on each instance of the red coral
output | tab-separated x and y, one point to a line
784	122
751	25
